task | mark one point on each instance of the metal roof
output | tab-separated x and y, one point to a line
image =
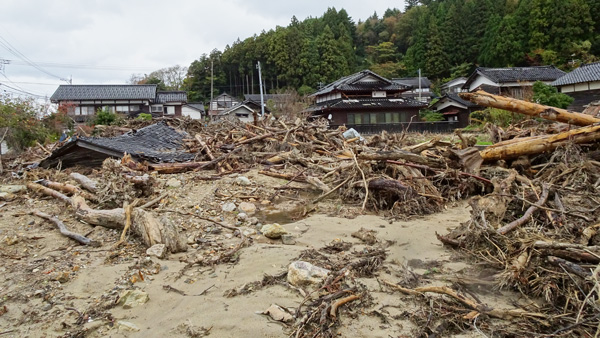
104	92
172	96
351	83
516	74
454	97
585	73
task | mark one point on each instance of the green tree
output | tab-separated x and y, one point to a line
549	96
19	119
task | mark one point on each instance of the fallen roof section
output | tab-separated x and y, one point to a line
156	143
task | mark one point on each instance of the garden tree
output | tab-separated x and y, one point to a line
556	24
410	4
20	123
332	65
549	96
198	81
170	78
436	64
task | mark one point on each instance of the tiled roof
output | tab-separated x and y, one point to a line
413	82
585	73
370	103
199	106
349	83
516	74
172	96
454	97
248	104
456	81
104	92
155	143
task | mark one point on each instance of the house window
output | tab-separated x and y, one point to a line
122	109
395	117
156	109
169	110
373	118
134	108
357	119
350	119
388	117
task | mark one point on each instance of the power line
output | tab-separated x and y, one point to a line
83	66
4	43
15	90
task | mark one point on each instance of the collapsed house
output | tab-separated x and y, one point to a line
157	143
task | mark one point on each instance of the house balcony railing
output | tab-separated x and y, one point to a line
415	127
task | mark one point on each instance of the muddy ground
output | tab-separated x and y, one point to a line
53	287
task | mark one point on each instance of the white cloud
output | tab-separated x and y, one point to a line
139	36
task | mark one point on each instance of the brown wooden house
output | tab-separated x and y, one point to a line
455	109
371	103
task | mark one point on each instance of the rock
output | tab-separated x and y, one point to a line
273	231
132	298
278	313
12	189
242	216
253	220
127	326
242	180
158	250
173	183
302	273
247	231
61	277
288	239
191	240
229	207
247	208
7	196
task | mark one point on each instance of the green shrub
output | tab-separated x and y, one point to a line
105	117
431	116
19	119
549	96
145	117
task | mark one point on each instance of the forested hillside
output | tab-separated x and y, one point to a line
443	38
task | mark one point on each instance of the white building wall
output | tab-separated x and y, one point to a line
192	113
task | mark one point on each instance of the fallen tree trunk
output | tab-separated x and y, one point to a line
67	188
533	146
86	182
63	229
144	224
529	108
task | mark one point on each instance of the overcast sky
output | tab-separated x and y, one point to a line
105	41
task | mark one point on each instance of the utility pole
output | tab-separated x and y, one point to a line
211	85
262	99
420	85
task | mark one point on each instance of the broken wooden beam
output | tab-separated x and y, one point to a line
483	98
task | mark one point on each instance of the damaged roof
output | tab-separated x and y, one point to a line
155	143
171	96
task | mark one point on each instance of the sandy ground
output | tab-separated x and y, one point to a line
48	280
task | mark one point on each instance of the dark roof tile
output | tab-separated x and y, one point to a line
172	96
516	74
348	84
104	92
585	73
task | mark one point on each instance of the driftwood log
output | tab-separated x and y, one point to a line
63	229
538	145
144	224
529	108
401	155
87	183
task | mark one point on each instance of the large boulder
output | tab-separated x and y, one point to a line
273	231
301	274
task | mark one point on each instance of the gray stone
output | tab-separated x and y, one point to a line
173	183
302	274
158	250
229	207
242	216
242	180
288	239
132	298
247	208
273	231
13	189
253	220
247	231
127	326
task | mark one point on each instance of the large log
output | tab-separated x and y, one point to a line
532	146
401	155
483	98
